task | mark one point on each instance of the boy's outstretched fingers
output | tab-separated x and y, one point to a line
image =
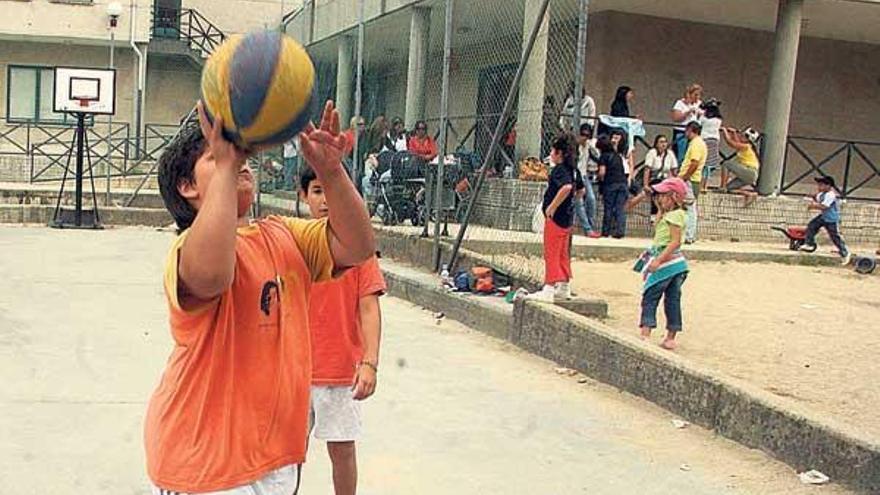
222	149
334	122
309	128
327	115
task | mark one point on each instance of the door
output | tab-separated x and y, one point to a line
166	19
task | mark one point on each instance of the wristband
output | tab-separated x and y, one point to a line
370	365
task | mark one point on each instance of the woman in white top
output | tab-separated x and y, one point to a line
685	111
711	122
660	164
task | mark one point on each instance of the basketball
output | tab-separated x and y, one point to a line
261	85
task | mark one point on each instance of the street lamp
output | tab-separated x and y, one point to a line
114	10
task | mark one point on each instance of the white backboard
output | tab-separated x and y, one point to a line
85	90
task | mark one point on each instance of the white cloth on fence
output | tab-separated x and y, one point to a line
633	127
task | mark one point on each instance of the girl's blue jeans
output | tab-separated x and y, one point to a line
670	291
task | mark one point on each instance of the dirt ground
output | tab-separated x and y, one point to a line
809	334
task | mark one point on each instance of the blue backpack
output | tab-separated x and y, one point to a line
462	281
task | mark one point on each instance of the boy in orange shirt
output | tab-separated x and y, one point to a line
230	415
345	323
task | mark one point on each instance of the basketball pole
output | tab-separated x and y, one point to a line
62	218
80	142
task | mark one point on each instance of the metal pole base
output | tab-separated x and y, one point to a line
66	219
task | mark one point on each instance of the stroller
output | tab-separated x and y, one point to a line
453	185
797	236
396	184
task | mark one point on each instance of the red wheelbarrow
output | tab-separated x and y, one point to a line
796	237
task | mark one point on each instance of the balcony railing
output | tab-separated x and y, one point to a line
187	25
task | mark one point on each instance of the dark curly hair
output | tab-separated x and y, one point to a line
176	165
567	145
306	178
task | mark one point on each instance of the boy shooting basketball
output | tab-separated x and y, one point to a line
345	325
230	413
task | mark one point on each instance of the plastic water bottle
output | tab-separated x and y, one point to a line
445	279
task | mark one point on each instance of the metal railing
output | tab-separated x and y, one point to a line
187	25
45	147
855	166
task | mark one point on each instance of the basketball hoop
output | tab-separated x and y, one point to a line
81	92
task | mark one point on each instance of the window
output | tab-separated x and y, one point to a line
29	96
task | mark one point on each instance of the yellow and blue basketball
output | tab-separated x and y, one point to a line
261	85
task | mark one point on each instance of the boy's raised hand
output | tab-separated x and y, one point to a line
323	146
226	154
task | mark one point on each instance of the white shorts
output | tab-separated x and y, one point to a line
282	481
335	416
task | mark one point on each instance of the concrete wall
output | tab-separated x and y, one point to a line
172	89
239	16
658	57
172	85
71	21
334	16
835	87
52	54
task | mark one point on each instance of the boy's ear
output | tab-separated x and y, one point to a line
187	189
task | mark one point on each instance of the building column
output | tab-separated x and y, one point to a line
779	96
345	79
531	89
417	72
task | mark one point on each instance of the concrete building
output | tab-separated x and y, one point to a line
158	50
787	67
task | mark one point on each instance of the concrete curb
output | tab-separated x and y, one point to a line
490	315
41	214
47	195
731	407
419	252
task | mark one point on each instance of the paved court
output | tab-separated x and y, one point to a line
83	339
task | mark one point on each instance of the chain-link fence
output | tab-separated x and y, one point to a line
393	52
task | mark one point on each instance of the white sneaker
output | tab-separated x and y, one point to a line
846	259
544	295
562	291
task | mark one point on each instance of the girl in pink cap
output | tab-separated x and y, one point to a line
663	267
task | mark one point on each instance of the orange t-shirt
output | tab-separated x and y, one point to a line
348	136
335	324
421	147
233	402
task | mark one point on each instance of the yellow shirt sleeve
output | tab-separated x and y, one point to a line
312	237
171	278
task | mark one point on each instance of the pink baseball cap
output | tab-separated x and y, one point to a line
673	185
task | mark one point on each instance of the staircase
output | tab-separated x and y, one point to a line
184	33
179	33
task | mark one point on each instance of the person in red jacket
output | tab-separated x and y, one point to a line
421	144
